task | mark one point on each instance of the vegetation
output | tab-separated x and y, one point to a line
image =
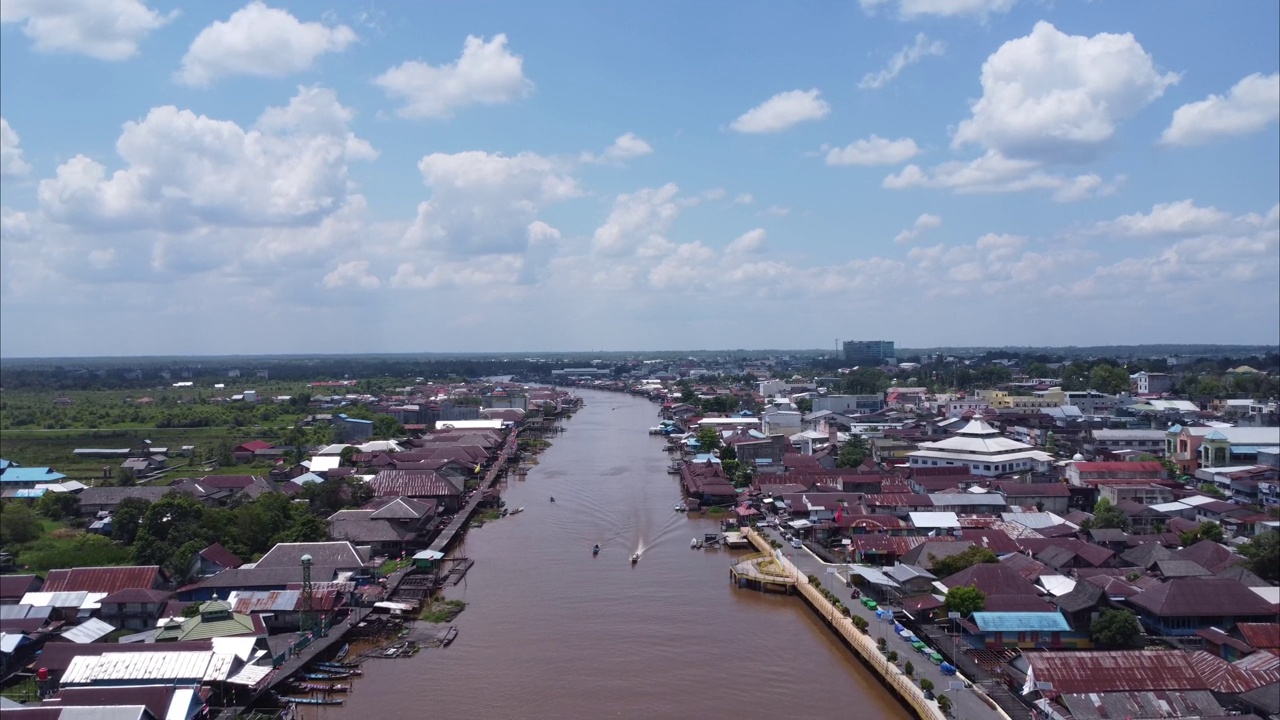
442	611
1212	490
974	555
1263	552
1106	515
892	656
708	439
1207	530
926	685
852	453
944	704
909	669
1115	630
965	600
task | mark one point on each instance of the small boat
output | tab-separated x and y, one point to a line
635	558
322	687
334	666
681	508
312	700
450	636
391	652
595	550
520	510
342	652
553	499
693	543
332	675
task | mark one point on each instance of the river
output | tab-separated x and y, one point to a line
552	632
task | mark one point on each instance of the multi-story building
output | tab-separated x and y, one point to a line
1145	383
849	404
1194	447
869	352
1146	441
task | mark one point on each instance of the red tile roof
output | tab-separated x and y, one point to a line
253	446
102	579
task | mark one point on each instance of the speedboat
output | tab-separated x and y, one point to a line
681	508
517	510
693	543
595	550
553	499
635	558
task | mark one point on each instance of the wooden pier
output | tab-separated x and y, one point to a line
445	540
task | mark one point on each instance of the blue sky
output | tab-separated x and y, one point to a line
306	177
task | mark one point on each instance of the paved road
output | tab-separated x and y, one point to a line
966	705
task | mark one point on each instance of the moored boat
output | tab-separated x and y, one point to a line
322	687
312	700
332	675
450	636
520	510
342	652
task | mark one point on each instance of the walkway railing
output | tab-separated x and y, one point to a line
861	643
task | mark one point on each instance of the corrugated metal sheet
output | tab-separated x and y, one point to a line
136	666
1223	677
89	631
101	579
258	601
1099	672
250	675
55	599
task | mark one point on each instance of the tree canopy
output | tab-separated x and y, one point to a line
1106	515
1115	630
965	600
948	566
1263	552
852	453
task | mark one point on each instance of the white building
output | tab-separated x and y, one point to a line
983	450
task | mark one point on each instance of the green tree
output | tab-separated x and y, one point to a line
804	405
58	505
124	478
345	456
127	518
1109	379
1115	630
966	600
1263	552
852	453
952	564
864	381
385	427
708	438
18	524
168	530
1106	515
1206	530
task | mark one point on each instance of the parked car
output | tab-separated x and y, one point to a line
795	543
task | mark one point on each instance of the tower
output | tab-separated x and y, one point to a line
307	619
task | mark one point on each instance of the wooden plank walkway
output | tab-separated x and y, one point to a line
462	518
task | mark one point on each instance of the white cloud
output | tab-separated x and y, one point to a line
259	40
922	223
487	73
102	29
908	55
1252	104
874	150
11	162
995	173
775	211
909	9
1052	96
354	273
1181	218
744	199
748	243
483	203
626	147
183	169
782	111
635	219
492	270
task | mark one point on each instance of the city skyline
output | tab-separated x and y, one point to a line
232	178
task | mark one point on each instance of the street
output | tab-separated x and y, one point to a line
966	705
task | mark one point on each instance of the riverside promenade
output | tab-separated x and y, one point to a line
967	704
462	518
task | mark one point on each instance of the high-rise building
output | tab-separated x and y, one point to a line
869	352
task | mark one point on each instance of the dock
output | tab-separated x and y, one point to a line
445	540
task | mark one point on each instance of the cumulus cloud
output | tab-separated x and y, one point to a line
747	243
744	199
483	203
354	273
1181	218
182	169
11	162
1052	96
995	173
637	218
626	147
775	211
259	40
102	29
922	223
909	55
1252	104
486	73
874	150
493	270
911	9
783	111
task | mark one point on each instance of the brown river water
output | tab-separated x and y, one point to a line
552	632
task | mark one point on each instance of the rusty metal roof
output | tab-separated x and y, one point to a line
1099	672
102	579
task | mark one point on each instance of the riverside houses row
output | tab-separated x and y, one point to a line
210	636
942	478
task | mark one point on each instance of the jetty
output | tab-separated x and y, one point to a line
462	519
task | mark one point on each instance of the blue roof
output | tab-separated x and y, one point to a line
705	457
1215	435
1249	449
4	463
1021	622
30	493
30	474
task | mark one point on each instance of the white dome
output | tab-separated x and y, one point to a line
1077	458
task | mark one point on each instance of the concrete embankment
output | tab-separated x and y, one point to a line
893	678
